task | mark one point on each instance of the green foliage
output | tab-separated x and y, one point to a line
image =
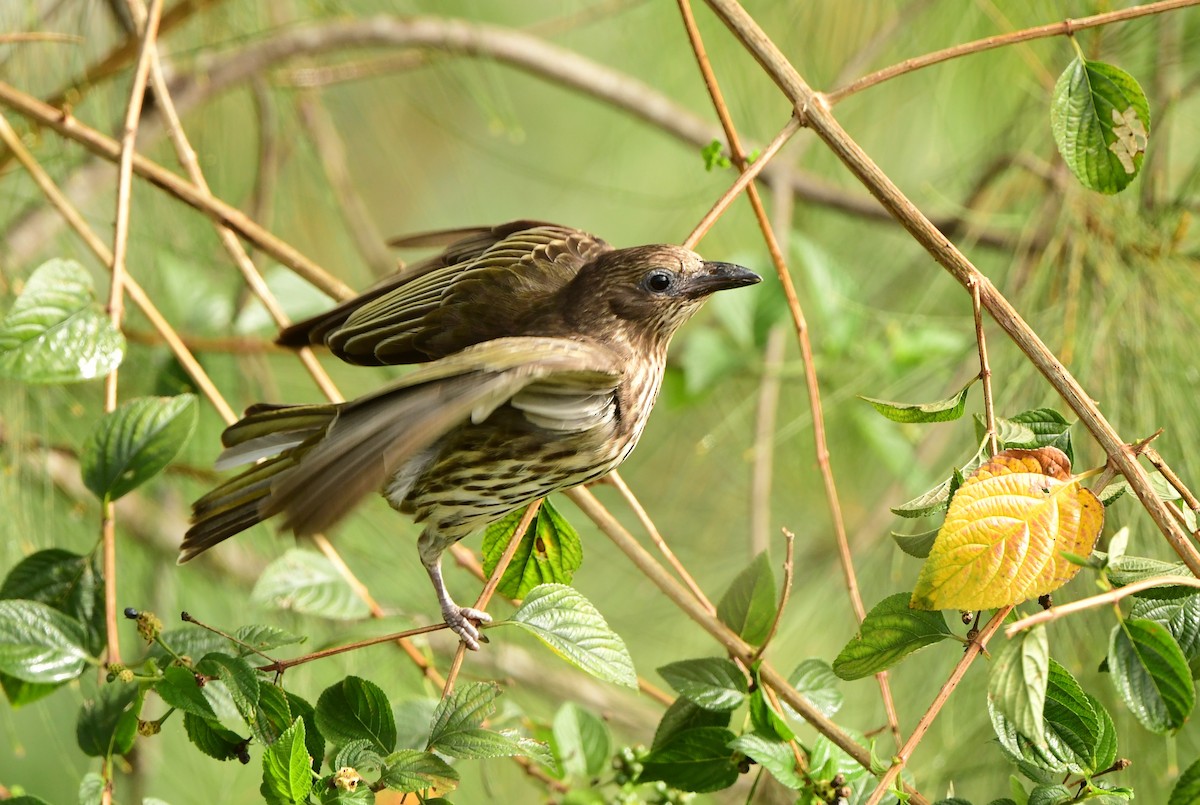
890	632
356	709
1151	673
1101	123
582	743
306	582
714	683
40	644
550	551
1017	682
697	760
573	628
947	410
287	768
136	442
55	332
748	606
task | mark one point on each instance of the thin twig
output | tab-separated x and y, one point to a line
186	617
186	359
279	666
71	128
985	371
788	569
819	118
744	178
17	37
116	309
489	589
1159	463
1103	599
801	326
656	537
974	649
1065	28
738	648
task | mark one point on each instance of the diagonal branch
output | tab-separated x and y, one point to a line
815	111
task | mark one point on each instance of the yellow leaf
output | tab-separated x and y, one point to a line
1001	539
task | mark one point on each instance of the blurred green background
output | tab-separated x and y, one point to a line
441	140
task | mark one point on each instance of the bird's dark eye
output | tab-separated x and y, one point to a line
658	281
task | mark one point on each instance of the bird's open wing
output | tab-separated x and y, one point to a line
374	436
485	285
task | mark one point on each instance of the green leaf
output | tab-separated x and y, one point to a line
306	582
765	719
946	410
1009	432
1017	682
550	551
572	627
272	716
68	582
1180	614
1075	739
40	644
748	606
1104	752
1187	787
214	740
360	755
25	799
714	683
329	793
91	789
20	693
106	723
929	502
239	678
134	443
464	709
264	638
890	632
287	768
1051	794
682	716
180	688
55	333
356	709
1050	429
312	736
693	760
582	743
773	755
410	770
414	719
1101	122
1136	568
817	682
917	545
1151	674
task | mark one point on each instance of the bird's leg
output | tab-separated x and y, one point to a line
464	621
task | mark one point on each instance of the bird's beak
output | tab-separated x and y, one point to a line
721	277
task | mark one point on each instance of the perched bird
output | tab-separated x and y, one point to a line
543	351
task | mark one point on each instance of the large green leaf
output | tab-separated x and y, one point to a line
1187	787
306	582
213	739
464	709
40	644
573	628
714	683
1151	674
135	442
773	755
287	768
356	709
180	688
684	715
240	679
815	680
411	770
550	551
1017	682
55	333
697	760
66	581
890	632
748	606
1179	612
107	724
1101	122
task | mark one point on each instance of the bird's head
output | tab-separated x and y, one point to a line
647	292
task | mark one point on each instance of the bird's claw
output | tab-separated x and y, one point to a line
465	622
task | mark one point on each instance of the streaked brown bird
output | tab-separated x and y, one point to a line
543	351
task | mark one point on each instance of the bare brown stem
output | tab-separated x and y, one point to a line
974	649
104	254
1065	28
18	37
489	589
985	371
279	666
1103	599
656	537
1159	463
819	117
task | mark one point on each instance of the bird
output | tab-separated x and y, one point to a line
539	351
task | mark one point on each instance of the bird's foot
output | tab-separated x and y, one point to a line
465	622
